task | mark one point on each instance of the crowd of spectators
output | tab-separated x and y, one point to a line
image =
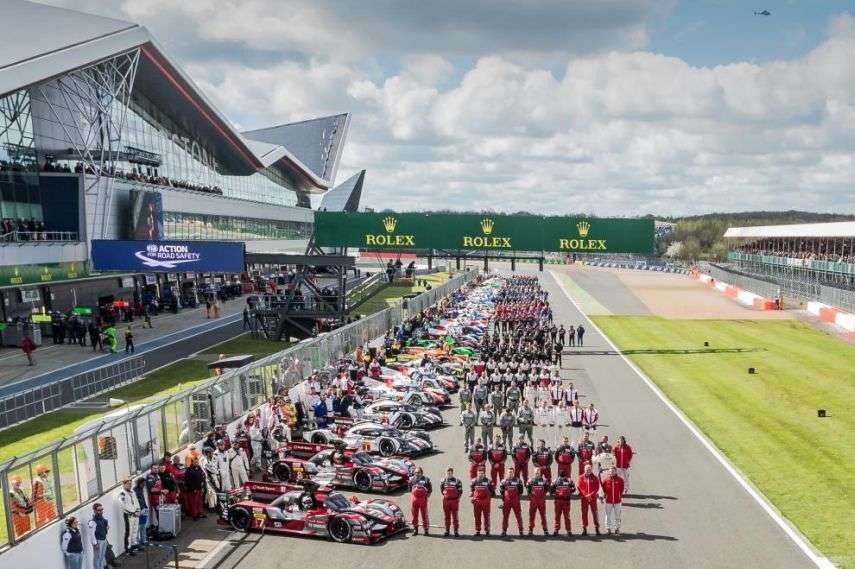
837	251
22	230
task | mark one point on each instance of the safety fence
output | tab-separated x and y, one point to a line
741	280
27	400
53	481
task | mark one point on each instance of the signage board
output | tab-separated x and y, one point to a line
419	231
16	275
168	256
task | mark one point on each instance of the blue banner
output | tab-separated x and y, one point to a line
168	256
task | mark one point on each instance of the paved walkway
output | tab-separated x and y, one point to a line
56	361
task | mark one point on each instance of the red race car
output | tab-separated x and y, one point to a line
311	510
342	467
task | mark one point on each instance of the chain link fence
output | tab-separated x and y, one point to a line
51	482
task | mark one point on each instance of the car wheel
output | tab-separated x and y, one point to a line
340	530
362	481
282	472
240	519
405	422
387	447
319	438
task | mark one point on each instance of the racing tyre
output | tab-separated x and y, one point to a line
387	447
240	519
340	530
319	439
405	422
362	481
282	472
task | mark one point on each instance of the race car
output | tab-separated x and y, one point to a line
376	438
401	415
345	468
311	510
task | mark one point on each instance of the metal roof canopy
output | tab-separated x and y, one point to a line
839	229
309	260
232	362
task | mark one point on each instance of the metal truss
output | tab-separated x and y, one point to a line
15	111
90	104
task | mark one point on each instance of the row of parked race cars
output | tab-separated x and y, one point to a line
370	451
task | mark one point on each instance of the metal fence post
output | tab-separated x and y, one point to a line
7	506
57	483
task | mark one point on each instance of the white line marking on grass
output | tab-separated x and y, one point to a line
792	533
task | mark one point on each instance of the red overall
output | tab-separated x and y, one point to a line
481	491
419	492
497	456
511	489
451	491
521	455
562	490
537	491
588	487
477	457
564	456
542	460
585	454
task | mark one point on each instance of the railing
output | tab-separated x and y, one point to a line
39	237
120	445
841	267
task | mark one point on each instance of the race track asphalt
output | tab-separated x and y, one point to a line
684	510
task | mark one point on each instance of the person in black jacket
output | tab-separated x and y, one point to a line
142	499
194	484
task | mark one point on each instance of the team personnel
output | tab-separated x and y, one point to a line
541	459
613	488
588	485
525	422
488	422
623	458
420	490
564	456
452	489
481	492
521	454
585	452
538	488
468	420
477	458
507	420
510	491
465	395
562	489
497	455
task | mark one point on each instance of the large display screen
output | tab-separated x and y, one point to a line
146	215
169	256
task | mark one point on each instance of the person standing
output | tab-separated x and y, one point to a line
580	334
488	422
512	397
194	485
571	336
94	336
479	397
129	341
576	416
525	422
510	491
623	458
497	455
590	419
130	515
481	492
538	488
420	491
452	489
223	459
142	500
21	506
507	420
468	420
465	396
613	488
541	460
497	401
585	452
477	458
44	497
562	489
564	456
27	346
521	453
98	529
72	544
588	485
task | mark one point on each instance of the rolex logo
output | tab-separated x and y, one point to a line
487	226
583	227
390	223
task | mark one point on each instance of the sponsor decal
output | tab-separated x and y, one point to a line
167	256
487	240
583	228
390	223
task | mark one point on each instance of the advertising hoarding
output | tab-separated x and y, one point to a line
168	256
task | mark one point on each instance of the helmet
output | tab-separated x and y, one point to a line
306	501
42	469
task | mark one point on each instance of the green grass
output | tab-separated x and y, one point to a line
766	424
246	344
389	295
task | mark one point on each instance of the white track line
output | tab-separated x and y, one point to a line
791	532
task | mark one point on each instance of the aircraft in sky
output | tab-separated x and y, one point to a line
763	13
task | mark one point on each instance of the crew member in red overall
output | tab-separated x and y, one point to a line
585	452
564	456
541	459
562	489
452	489
510	490
538	488
521	454
481	491
420	489
477	458
588	485
497	456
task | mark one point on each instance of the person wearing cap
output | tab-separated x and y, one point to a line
21	506
99	527
192	453
71	543
131	516
451	488
44	498
613	487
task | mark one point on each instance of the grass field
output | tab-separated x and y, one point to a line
766	423
246	344
389	295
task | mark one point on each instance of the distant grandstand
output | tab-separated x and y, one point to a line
814	261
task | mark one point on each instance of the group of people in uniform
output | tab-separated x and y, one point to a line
515	385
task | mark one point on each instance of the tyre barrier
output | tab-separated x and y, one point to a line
832	315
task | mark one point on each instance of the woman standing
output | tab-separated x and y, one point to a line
72	544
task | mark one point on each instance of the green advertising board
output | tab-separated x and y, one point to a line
418	231
18	275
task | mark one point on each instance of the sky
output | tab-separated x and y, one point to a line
610	107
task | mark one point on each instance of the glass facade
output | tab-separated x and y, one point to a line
220	227
19	181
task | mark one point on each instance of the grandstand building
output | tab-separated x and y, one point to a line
813	261
103	136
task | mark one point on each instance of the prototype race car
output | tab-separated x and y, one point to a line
345	468
311	510
401	415
376	438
